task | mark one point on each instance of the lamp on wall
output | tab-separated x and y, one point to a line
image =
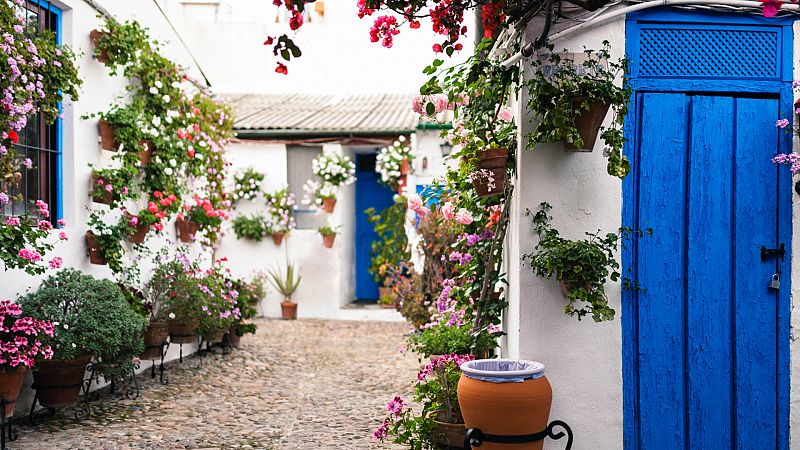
446	147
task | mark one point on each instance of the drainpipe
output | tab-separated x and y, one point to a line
528	49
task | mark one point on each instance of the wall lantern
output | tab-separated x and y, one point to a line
446	147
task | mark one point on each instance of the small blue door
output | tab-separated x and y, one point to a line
369	194
705	336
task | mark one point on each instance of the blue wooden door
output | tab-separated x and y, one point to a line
369	194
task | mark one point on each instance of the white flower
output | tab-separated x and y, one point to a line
66	327
159	84
153	90
165	98
402	138
172	162
171	315
176	84
168	171
156	121
74	345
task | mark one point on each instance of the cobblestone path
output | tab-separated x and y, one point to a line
295	385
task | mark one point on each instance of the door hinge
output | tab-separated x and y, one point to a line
767	253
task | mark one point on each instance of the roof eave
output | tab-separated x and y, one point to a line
293	133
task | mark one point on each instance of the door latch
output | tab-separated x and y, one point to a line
767	253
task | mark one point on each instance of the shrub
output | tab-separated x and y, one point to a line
91	318
391	246
175	288
250	227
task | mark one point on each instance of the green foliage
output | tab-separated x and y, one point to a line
218	306
583	266
122	43
443	339
247	185
93	319
250	227
109	238
285	283
552	99
329	229
176	289
390	248
25	235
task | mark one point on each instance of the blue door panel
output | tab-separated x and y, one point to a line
369	194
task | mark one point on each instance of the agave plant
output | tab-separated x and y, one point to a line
285	283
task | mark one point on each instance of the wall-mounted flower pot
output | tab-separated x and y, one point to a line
58	382
489	182
94	251
186	230
146	152
155	335
515	402
329	204
102	55
404	167
99	194
565	287
402	182
139	232
288	310
328	240
588	123
182	332
108	140
277	238
11	379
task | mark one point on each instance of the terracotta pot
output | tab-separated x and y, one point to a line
588	123
232	339
95	36
139	231
506	409
155	335
146	152
105	197
186	230
482	185
214	336
565	287
277	238
93	250
107	139
402	182
493	159
182	332
329	204
328	240
288	310
451	434
58	383
404	169
11	379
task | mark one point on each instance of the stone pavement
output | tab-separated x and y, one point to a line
296	385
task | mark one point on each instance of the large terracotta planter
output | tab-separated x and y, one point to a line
329	205
155	335
328	240
588	123
107	136
103	196
94	251
186	230
102	55
277	238
288	310
58	383
10	384
182	332
505	408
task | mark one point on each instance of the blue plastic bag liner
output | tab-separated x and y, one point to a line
503	370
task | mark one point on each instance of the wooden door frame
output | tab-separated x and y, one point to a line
781	88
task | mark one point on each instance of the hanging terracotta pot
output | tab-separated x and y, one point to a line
100	195
565	287
94	251
489	182
328	240
277	238
11	379
494	158
108	140
186	230
588	123
182	332
505	406
139	231
404	167
402	182
329	204
155	335
58	382
288	310
102	55
145	152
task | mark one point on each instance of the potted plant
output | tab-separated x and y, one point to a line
92	319
202	215
116	44
22	347
334	168
280	213
94	250
174	286
392	162
286	284
138	229
219	306
250	293
157	331
572	100
247	185
320	195
104	240
390	248
251	227
328	233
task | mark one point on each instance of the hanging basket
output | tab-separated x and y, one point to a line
328	240
102	55
277	238
58	382
329	204
93	250
108	139
588	123
186	230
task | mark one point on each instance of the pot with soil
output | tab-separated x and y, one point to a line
186	230
511	398
328	240
288	310
94	251
277	238
449	434
489	178
103	196
155	335
58	382
329	204
139	231
11	379
182	332
588	122
107	133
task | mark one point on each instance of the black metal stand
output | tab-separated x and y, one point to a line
8	431
82	408
164	348
476	437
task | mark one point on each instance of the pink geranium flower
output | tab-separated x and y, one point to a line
464	217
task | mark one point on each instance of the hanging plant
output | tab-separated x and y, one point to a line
570	99
334	168
250	227
392	162
280	211
247	185
320	195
